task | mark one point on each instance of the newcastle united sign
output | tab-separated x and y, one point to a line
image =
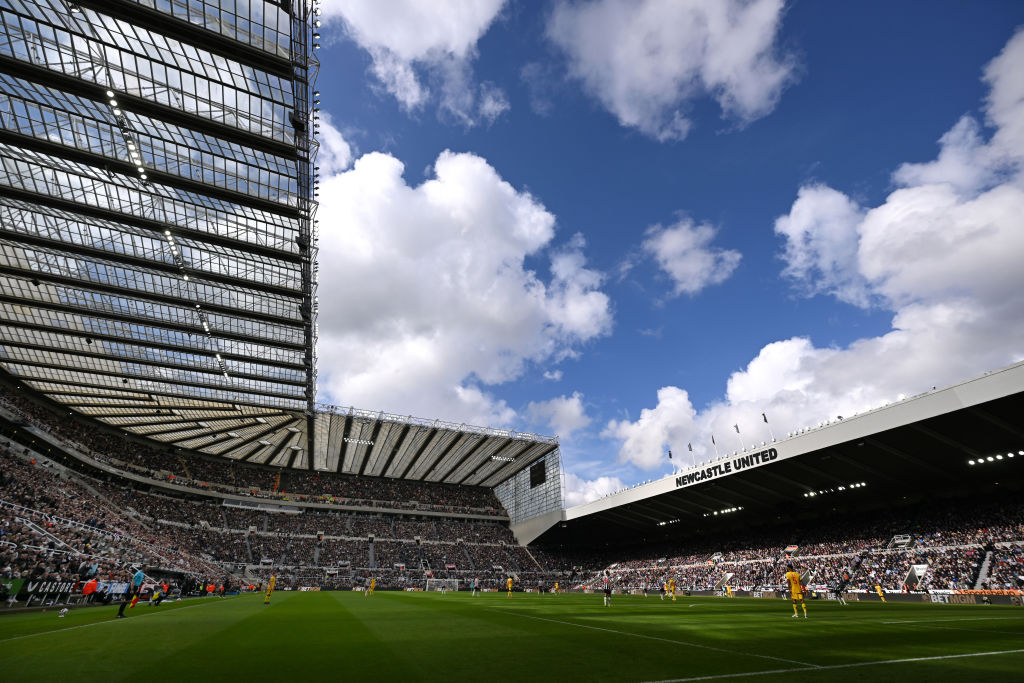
735	464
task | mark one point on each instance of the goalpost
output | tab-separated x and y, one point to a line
447	584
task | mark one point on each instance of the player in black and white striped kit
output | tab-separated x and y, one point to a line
840	588
606	579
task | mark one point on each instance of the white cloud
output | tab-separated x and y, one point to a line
646	441
398	78
564	414
821	244
416	45
942	253
647	60
425	301
541	85
493	102
684	253
578	491
553	375
335	153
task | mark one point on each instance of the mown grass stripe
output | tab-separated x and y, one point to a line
665	640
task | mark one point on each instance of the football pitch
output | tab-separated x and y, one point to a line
429	637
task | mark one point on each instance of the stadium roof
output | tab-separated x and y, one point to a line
920	448
156	202
381	444
347	440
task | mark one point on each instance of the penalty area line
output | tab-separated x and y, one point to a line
664	640
909	660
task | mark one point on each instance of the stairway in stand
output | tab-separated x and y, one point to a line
986	564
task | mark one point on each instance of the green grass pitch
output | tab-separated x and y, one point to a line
344	636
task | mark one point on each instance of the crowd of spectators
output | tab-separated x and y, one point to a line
376	526
356	489
390	553
403	528
269	548
1006	570
54	526
223	533
951	540
334	552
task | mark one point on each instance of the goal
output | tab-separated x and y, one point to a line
447	584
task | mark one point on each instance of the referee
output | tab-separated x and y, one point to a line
134	588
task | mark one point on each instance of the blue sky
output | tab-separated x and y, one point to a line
636	224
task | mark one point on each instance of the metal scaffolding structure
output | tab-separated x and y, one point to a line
157	206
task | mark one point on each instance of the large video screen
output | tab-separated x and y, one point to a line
538	474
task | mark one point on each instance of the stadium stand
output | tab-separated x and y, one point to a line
260	482
950	541
62	525
204	537
1007	569
190	519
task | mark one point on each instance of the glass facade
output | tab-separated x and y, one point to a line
523	501
157	237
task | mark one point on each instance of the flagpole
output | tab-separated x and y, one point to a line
715	445
738	437
770	432
692	456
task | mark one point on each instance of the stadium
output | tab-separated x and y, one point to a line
176	502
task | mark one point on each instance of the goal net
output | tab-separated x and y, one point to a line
438	584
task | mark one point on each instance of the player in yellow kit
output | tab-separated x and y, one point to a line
881	593
270	589
508	586
672	589
796	590
556	588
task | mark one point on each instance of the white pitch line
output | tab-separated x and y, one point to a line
105	621
829	667
664	640
937	621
